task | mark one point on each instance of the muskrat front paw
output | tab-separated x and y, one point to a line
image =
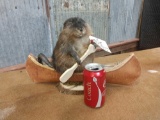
79	62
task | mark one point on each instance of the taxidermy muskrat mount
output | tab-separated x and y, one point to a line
72	44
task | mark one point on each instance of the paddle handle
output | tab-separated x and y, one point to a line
69	72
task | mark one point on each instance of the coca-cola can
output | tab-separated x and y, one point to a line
94	77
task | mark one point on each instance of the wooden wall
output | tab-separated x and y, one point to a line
124	19
32	26
23	30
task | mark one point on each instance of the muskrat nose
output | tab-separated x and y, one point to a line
81	29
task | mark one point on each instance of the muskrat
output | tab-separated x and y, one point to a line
72	43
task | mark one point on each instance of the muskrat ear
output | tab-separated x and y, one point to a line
67	24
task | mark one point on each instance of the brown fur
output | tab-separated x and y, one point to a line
72	43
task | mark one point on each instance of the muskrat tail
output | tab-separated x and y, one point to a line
43	59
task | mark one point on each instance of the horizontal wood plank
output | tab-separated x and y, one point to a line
115	48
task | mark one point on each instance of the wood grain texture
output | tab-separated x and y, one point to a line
23	29
140	101
124	19
33	26
115	47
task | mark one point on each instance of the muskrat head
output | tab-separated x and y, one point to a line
77	26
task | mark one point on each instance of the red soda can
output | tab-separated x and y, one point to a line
94	77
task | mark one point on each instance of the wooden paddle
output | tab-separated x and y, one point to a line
69	72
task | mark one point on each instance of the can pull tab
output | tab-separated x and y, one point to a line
95	68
